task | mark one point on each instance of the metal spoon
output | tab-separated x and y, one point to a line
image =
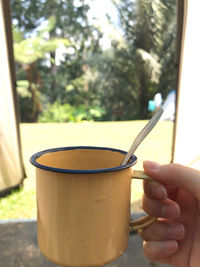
145	131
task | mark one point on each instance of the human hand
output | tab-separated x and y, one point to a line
174	198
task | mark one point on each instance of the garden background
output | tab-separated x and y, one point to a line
81	80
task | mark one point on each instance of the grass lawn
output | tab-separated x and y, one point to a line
36	136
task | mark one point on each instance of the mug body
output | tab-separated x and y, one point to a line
83	204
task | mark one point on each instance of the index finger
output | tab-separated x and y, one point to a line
155	190
175	175
159	191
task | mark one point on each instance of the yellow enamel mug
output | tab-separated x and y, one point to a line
83	204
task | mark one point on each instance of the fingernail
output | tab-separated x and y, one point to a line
170	212
171	245
177	231
151	165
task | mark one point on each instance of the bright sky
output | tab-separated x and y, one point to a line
98	10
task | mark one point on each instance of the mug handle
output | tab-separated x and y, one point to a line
148	219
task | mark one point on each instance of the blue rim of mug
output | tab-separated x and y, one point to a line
34	158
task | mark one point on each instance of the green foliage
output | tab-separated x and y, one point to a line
120	80
17	34
55	24
25	101
22	89
26	106
114	87
148	26
19	204
67	113
33	48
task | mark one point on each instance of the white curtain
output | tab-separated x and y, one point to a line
187	134
11	168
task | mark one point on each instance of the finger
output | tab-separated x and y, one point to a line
155	250
160	231
175	175
155	190
172	191
159	191
161	209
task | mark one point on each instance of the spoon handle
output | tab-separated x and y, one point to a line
145	131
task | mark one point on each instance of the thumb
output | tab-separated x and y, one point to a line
175	175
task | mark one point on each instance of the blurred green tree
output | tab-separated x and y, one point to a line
149	29
27	52
45	26
120	80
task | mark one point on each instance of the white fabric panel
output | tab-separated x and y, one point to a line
11	169
187	136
